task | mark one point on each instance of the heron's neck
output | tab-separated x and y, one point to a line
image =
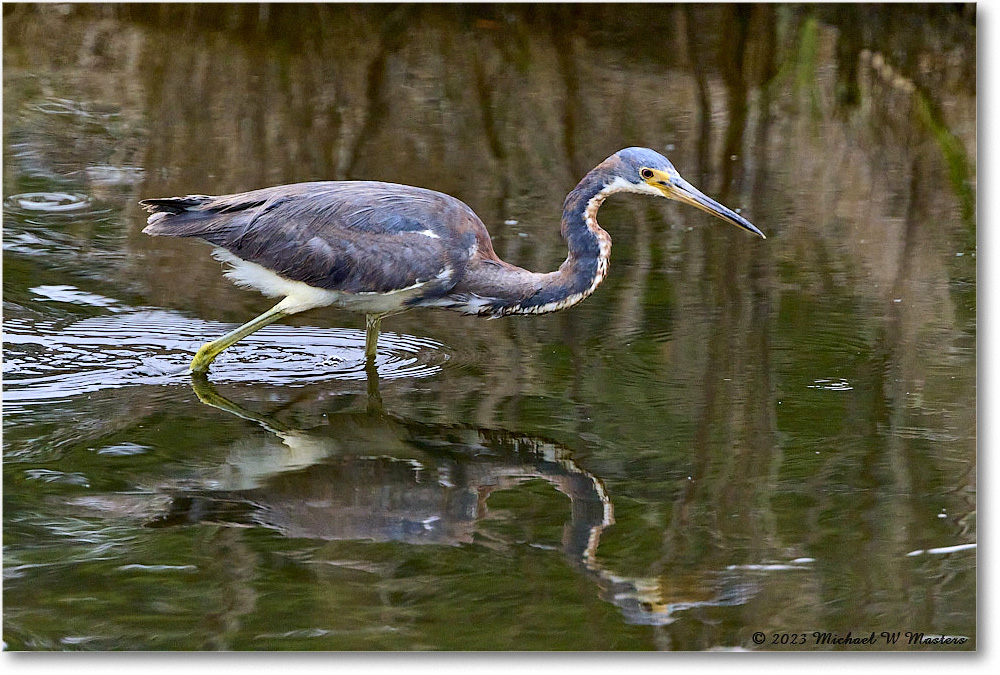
588	243
589	251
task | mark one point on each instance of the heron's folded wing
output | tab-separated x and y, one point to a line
352	236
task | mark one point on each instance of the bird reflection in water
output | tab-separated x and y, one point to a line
426	485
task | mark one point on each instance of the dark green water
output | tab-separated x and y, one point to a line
730	437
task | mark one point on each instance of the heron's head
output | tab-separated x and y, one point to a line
647	171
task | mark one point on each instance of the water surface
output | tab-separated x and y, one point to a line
731	437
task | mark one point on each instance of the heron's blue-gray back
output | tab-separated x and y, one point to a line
353	236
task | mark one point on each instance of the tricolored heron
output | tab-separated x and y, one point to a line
381	248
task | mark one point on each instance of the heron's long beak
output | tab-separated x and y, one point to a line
675	187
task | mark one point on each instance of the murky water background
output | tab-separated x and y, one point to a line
731	436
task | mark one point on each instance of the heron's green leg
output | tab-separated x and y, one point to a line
208	352
372	324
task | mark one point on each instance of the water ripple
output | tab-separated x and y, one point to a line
69	294
45	361
79	109
49	202
831	384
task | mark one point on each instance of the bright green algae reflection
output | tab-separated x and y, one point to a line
730	437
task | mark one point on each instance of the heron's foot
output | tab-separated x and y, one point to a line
203	358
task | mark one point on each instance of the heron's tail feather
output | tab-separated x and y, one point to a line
196	215
164	211
175	204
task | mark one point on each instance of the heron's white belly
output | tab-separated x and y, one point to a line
300	296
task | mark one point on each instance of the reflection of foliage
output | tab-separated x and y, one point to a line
955	157
806	64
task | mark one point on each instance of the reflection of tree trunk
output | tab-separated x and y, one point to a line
252	127
871	458
735	34
736	454
562	39
765	39
483	83
762	435
887	365
849	44
628	316
392	40
704	112
506	375
234	565
912	471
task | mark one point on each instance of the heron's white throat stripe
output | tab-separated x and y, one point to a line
603	256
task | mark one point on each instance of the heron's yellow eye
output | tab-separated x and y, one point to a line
646	173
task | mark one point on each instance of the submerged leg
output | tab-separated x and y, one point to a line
374	397
208	352
372	324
